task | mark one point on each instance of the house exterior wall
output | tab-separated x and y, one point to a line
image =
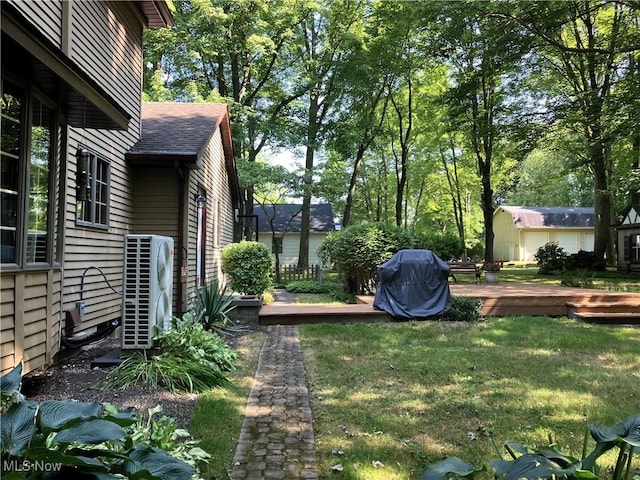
47	15
105	40
156	209
117	66
213	180
291	247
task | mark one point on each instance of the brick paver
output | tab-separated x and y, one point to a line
276	441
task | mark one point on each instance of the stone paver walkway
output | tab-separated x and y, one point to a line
276	441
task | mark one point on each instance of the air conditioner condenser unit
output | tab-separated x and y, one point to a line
148	289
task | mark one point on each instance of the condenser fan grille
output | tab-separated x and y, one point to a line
148	277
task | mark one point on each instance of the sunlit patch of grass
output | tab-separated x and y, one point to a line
218	414
433	389
316	298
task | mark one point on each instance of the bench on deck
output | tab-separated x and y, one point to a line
463	267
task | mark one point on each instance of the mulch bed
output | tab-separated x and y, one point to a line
73	378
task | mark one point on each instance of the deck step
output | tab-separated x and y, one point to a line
620	318
302	314
620	306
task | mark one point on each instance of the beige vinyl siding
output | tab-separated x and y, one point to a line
116	64
213	178
156	200
9	354
107	42
30	319
46	15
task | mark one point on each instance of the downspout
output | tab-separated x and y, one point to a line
61	198
181	249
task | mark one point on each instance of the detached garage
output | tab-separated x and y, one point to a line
520	231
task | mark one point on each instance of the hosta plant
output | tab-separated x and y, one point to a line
61	439
550	462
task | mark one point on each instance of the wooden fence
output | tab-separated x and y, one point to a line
290	273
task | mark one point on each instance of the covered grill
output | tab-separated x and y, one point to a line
413	284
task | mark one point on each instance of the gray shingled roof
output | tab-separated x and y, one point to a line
551	217
181	130
320	220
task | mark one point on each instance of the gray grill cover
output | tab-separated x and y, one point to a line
413	284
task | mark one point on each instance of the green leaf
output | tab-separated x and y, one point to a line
91	432
55	414
448	466
18	427
533	466
158	463
123	418
43	454
628	431
10	382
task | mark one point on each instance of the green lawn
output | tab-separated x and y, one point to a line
607	280
218	415
409	394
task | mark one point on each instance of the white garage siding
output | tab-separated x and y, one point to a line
533	241
568	241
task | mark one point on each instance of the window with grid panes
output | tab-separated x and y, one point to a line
27	177
92	209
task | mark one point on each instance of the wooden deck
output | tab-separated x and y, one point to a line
498	300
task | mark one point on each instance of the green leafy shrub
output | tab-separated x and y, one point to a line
164	433
447	246
311	286
70	439
551	258
249	267
549	462
465	309
584	260
189	358
357	251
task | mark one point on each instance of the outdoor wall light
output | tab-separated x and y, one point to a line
201	199
83	189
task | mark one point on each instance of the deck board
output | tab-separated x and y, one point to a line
498	300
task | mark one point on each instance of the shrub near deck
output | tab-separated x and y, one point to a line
406	395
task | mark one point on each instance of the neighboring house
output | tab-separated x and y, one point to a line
287	220
628	239
185	186
71	110
520	231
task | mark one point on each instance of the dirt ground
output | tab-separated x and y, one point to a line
73	379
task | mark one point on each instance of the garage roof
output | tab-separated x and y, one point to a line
550	217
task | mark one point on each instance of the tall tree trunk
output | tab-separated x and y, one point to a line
312	133
602	201
346	218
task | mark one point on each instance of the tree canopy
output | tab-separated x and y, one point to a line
423	115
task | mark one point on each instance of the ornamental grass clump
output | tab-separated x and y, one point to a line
188	358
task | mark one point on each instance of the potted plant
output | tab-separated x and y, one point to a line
491	270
